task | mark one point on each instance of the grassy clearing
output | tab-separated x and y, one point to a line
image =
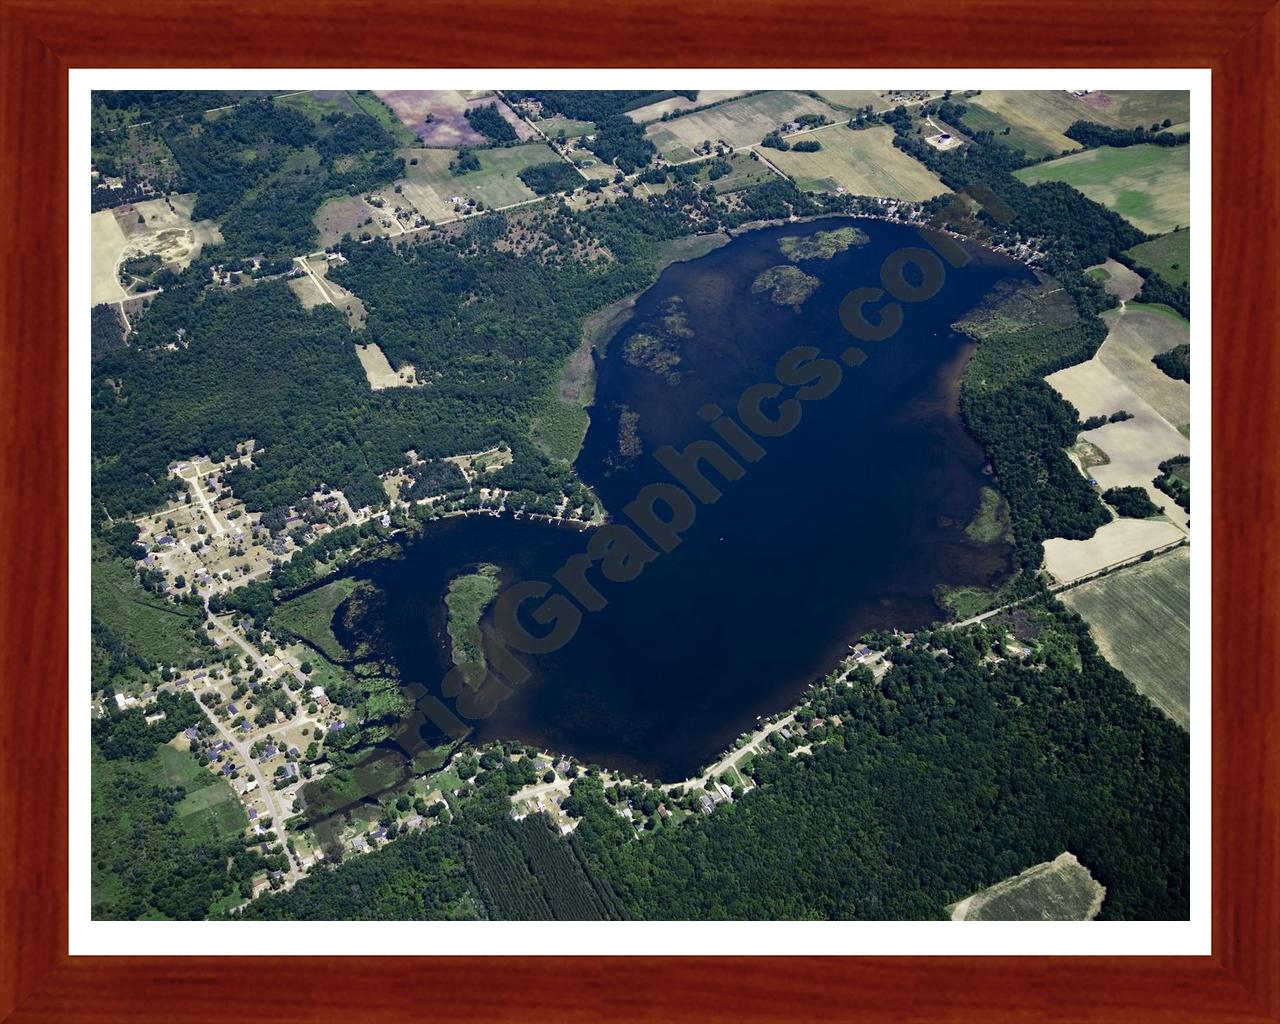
1169	256
553	126
1149	186
495	184
1140	617
210	810
861	162
467	599
319	104
1138	333
376	108
148	625
741	122
559	429
1058	890
380	373
311	616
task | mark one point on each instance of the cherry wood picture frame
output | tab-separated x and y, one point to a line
41	39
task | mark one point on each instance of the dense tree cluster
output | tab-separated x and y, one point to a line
490	123
1176	362
619	140
553	176
1132	502
106	330
1092	135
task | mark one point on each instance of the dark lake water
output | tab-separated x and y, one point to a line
846	524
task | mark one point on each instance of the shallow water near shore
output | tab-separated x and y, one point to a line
847	524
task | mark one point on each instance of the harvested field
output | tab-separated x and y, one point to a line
1169	256
1134	447
445	107
1137	333
380	372
742	122
706	97
1149	186
1117	279
1117	541
1057	890
1140	617
861	162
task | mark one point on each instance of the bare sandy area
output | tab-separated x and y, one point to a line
1117	541
1061	889
156	227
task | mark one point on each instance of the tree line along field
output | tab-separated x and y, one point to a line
496	183
1168	255
1140	617
1036	119
1148	185
741	122
864	162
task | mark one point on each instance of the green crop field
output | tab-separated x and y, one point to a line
311	616
1141	619
741	122
1149	186
553	126
864	163
1169	256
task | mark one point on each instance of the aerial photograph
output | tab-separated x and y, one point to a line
678	505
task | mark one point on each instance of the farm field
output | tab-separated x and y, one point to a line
1116	541
1137	333
351	215
1057	890
654	111
742	122
379	371
446	108
495	184
861	162
1037	118
308	292
1169	256
1149	186
1140	617
855	99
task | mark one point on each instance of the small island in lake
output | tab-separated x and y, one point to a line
786	286
822	245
